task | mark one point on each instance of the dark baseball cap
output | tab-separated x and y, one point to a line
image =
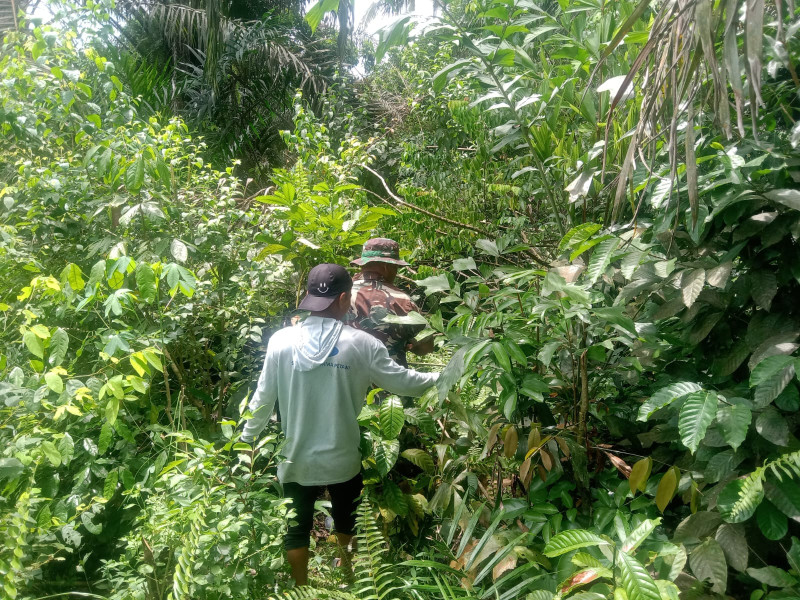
325	283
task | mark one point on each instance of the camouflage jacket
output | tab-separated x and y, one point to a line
372	300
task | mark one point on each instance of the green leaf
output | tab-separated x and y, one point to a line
91	526
722	465
317	12
772	426
501	355
785	495
691	285
771	521
164	174
10	468
73	276
104	440
464	264
640	534
395	499
54	382
66	448
59	343
696	415
768	368
773	576
391	418
146	282
436	283
572	539
790	198
640	473
134	175
739	499
386	453
420	458
112	409
601	258
734	421
52	454
667	488
666	396
110	485
440	78
708	562
635	580
33	343
733	542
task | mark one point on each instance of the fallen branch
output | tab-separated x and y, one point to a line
433	215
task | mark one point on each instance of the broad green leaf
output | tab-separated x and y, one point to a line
91	526
164	173
601	258
501	355
790	198
134	175
436	283
179	250
666	396
578	235
110	485
73	276
103	442
773	427
640	473
59	343
785	495
395	499
386	453
696	415
691	285
770	389
66	448
732	540
146	282
420	458
464	264
33	343
722	465
739	499
54	382
768	368
734	421
667	488
696	526
635	579
640	534
52	454
793	555
112	409
771	521
10	468
572	539
707	561
775	577
391	417
439	80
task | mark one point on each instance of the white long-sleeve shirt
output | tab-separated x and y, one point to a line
319	372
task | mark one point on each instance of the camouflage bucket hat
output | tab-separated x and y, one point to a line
380	250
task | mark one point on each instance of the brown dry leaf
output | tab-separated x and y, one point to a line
510	442
563	445
525	473
492	437
620	464
508	563
542	473
547	459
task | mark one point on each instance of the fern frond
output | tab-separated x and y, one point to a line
375	578
751	488
310	593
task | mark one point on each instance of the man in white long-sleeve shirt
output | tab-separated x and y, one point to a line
319	373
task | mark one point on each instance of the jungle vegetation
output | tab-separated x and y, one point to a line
601	205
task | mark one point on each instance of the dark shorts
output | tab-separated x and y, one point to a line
344	501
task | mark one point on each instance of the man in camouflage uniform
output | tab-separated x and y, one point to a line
375	296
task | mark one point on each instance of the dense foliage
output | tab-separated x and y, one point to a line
601	206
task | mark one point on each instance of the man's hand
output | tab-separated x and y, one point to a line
422	347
